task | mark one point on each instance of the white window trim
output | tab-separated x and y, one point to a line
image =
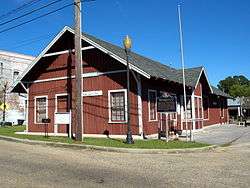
183	110
198	107
152	120
35	98
109	105
56	110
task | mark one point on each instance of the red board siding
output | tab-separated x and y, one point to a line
95	109
215	110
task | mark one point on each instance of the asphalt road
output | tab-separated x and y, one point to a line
223	134
23	165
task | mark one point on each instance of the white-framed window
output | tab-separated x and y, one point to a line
117	100
189	107
198	107
41	108
62	102
152	105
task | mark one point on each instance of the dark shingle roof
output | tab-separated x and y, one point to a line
217	91
151	67
156	69
191	75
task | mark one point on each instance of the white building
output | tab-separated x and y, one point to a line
11	66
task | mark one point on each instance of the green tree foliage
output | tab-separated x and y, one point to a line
236	86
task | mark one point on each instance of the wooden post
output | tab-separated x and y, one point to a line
78	71
167	128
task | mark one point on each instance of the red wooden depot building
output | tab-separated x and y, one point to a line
49	84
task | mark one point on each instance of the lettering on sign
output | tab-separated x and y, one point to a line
91	93
166	102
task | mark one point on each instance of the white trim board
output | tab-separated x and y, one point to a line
66	28
40	55
151	120
56	109
203	70
67	51
85	75
139	105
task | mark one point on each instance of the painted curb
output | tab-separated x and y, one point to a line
110	149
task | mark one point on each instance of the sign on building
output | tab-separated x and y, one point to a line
92	93
166	102
62	118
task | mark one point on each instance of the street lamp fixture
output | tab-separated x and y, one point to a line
127	45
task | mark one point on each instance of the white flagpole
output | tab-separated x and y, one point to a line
183	72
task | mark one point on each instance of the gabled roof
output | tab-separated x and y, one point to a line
191	75
152	67
143	65
149	66
217	91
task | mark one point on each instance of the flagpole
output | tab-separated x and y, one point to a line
183	71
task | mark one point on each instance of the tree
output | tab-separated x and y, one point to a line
239	90
236	86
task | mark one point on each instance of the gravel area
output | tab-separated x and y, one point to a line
25	165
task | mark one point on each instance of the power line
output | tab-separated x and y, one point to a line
23	6
30	42
31	12
36	18
41	16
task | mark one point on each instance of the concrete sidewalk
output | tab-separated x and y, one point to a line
223	134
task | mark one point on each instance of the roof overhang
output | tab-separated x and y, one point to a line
121	60
197	82
56	38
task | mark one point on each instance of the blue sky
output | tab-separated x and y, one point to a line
216	33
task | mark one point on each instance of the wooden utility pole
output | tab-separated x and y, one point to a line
78	72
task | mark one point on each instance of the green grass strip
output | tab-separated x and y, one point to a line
106	142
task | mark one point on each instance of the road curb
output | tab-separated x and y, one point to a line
110	149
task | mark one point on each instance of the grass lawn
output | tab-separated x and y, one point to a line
108	142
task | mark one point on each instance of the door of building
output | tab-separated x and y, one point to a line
62	105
